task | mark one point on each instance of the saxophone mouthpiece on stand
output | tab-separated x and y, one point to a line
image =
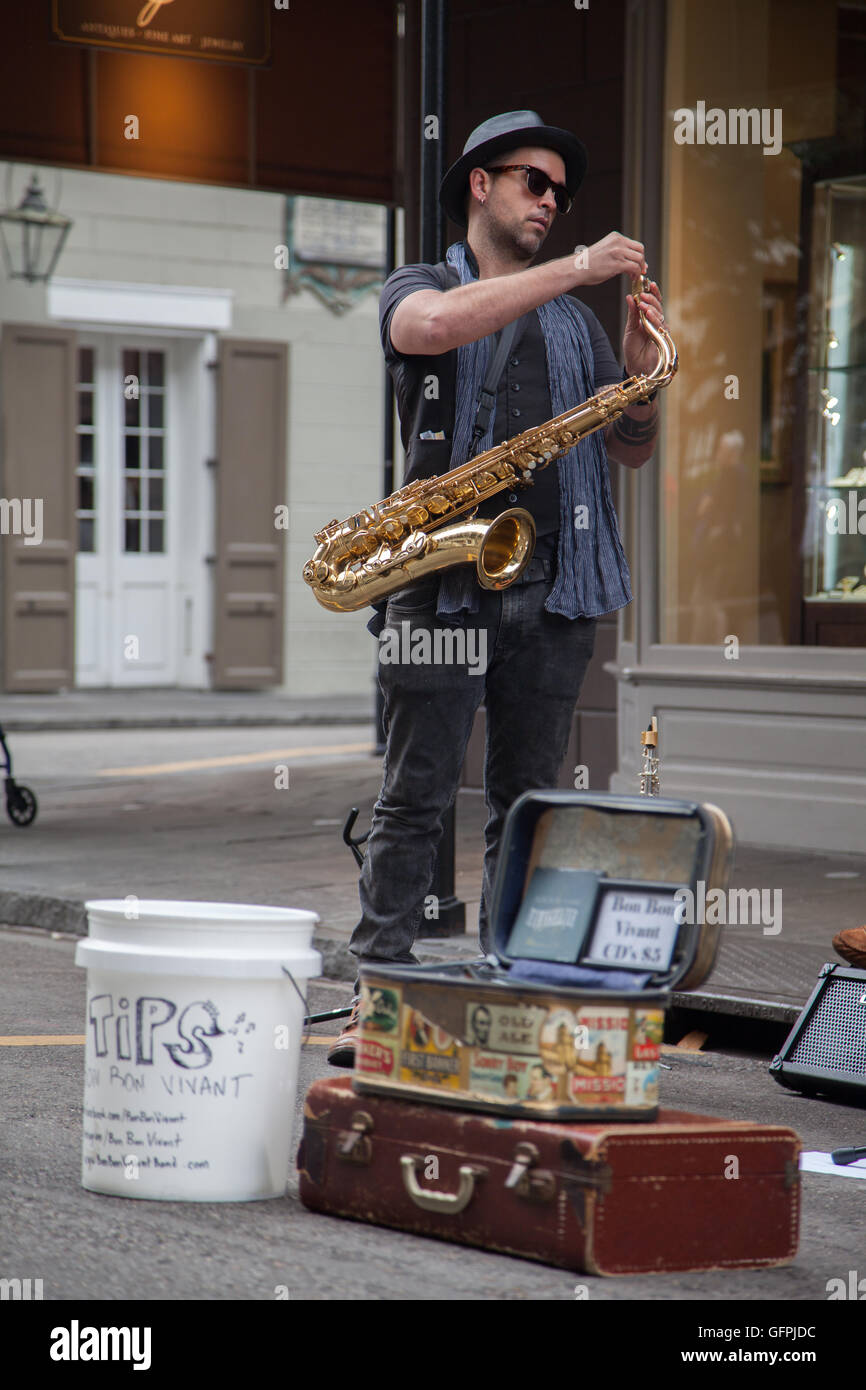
649	770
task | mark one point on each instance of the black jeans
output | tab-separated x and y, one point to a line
528	666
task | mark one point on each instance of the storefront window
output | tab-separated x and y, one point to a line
834	578
758	94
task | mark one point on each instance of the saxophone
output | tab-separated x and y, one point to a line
407	536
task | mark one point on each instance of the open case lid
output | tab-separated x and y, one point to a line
596	880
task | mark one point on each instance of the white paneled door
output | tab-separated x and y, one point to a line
127	521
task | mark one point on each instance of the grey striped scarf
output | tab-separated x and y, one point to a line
592	572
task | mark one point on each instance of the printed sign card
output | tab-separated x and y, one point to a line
636	929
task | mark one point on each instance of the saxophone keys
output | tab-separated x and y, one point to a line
315	573
462	492
360	544
390	530
416	516
414	545
438	503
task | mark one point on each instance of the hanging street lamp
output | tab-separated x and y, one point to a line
32	236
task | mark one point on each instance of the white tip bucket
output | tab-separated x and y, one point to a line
195	1014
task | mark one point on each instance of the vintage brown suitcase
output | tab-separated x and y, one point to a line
688	1192
593	924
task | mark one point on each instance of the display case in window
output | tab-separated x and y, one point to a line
834	539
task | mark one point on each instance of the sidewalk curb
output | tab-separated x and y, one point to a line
737	1006
69	917
69	724
39	910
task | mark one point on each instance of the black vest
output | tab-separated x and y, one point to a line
427	394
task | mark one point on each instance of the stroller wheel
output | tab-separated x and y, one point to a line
21	805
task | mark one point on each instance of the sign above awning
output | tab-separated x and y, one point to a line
226	31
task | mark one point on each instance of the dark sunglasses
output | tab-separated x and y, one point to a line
538	183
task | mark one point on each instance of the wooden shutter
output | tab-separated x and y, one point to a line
251	483
37	379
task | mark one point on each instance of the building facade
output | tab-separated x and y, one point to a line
747	638
184	428
730	139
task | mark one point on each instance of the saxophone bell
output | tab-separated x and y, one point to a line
506	549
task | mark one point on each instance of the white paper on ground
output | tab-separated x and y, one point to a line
816	1162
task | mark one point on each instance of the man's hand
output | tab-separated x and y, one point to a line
631	439
639	352
615	254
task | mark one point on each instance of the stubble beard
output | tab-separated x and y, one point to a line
516	240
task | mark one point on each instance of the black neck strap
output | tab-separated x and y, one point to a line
487	398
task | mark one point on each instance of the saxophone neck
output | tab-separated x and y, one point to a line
665	368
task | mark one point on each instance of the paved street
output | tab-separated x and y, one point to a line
196	813
87	1246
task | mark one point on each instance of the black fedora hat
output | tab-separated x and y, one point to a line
507	132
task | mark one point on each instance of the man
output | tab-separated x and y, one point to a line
514	176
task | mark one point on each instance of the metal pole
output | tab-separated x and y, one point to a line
434	26
387	455
451	919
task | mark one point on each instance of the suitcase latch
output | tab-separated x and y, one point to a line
355	1145
537	1186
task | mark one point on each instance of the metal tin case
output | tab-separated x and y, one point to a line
593	923
619	845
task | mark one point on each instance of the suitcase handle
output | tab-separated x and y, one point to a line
446	1203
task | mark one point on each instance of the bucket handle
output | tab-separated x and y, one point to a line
306	1037
447	1203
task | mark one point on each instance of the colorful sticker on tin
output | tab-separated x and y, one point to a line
428	1055
586	1054
380	1009
642	1084
374	1058
647	1033
600	1072
503	1076
557	1048
511	1029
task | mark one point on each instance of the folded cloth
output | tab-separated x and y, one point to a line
548	972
